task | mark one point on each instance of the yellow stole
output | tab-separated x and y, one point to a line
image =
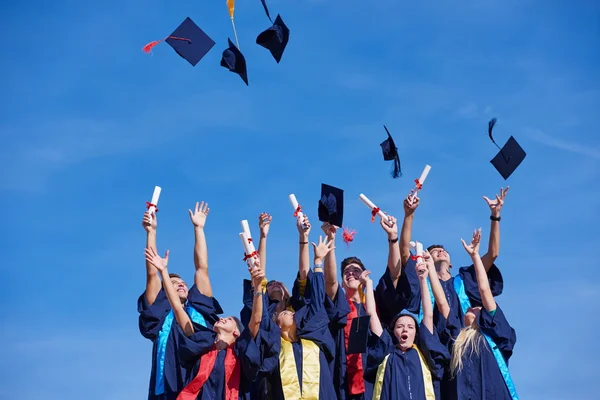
429	392
311	371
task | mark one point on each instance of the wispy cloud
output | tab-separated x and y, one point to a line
570	146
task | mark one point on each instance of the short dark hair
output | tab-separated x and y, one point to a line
351	260
175	276
435	246
239	324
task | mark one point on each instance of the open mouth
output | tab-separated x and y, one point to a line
181	290
404	336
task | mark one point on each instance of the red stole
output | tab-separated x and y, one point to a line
354	365
207	363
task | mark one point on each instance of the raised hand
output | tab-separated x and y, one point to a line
364	277
496	204
422	270
149	222
473	247
323	248
153	258
198	216
264	223
303	229
329	230
411	203
428	259
257	274
391	227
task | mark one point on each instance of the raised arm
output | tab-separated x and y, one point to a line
177	306
201	278
394	263
258	274
410	205
330	269
152	280
487	298
489	258
304	255
436	287
422	273
370	307
264	223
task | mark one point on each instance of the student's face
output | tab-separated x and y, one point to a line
275	290
439	254
351	276
472	315
226	325
285	319
181	287
405	330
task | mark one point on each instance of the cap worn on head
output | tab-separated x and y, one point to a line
234	60
188	40
403	313
359	334
331	205
510	156
275	39
390	152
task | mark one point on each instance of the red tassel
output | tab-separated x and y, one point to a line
148	48
348	235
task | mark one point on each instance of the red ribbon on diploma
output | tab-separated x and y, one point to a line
148	205
374	213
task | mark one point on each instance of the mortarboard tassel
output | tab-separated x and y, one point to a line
397	172
148	48
491	125
348	235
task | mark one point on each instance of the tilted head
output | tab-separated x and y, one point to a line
472	315
405	331
228	326
285	320
439	254
352	268
276	290
180	286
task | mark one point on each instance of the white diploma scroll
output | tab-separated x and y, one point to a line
295	204
154	201
422	178
246	229
248	248
372	206
418	247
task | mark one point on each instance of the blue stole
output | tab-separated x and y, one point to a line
465	303
161	345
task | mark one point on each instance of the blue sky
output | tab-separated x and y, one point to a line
90	124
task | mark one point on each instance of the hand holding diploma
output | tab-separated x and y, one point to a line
297	209
374	209
418	248
421	179
153	204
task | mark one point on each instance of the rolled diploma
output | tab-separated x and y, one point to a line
424	174
247	248
246	229
418	246
154	200
372	206
295	204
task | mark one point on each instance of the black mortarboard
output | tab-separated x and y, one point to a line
390	152
359	334
234	60
188	40
331	205
510	156
275	38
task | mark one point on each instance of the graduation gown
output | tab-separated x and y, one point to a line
312	324
407	293
192	349
246	312
403	377
480	377
151	321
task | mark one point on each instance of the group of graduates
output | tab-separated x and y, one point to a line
420	333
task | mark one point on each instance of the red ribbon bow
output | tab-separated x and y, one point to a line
374	213
247	256
419	184
348	235
148	205
298	210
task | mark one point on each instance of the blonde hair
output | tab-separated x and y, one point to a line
469	340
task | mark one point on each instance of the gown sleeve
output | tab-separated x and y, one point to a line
469	278
209	307
152	316
193	347
246	311
497	327
405	295
378	348
434	352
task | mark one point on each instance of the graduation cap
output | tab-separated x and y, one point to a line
390	152
234	60
359	335
510	156
331	205
188	40
276	38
